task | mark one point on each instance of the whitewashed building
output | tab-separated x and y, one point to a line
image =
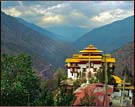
87	62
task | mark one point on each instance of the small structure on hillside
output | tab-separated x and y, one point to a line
128	87
128	92
87	62
92	95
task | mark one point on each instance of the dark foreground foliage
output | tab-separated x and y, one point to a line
20	86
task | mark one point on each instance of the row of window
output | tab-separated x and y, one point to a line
76	75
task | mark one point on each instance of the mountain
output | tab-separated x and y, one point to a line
70	33
41	30
109	37
124	56
58	33
18	38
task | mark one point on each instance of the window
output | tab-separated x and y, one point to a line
83	74
77	75
94	69
92	64
73	64
89	74
72	73
84	69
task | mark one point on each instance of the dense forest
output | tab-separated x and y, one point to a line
21	86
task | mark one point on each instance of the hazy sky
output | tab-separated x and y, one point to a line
85	14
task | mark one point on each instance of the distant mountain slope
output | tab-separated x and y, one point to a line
70	33
124	56
18	38
58	33
109	37
41	30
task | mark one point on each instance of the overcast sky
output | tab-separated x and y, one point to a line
85	14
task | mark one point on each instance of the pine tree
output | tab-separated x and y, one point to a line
63	98
101	75
19	84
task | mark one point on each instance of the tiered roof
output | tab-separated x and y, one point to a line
72	60
90	50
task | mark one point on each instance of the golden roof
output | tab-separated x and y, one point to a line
109	60
87	48
72	60
120	81
91	47
90	51
90	57
76	55
117	79
86	59
107	55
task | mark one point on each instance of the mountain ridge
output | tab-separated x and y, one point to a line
18	38
41	30
109	37
71	33
124	57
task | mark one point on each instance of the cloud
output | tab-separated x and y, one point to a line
12	12
76	17
70	13
56	19
102	17
55	7
107	17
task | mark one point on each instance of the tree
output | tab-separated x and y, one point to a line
19	84
101	75
104	75
128	75
63	98
46	96
93	80
59	75
76	84
125	74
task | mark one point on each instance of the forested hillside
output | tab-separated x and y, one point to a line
109	37
18	38
124	57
